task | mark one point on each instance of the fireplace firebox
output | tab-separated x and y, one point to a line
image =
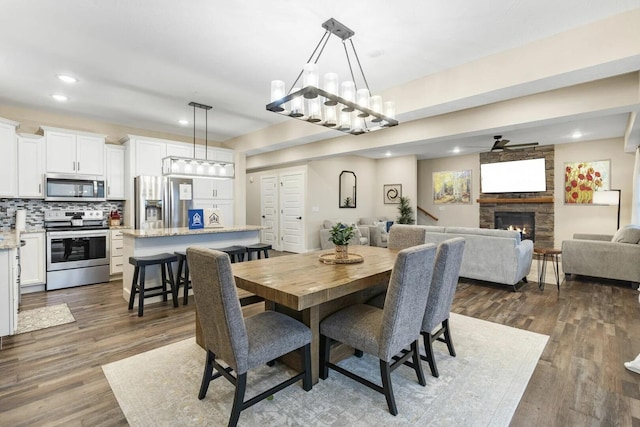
524	222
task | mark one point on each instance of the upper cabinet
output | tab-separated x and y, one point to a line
71	151
31	158
8	158
114	167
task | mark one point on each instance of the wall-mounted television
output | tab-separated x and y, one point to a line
520	176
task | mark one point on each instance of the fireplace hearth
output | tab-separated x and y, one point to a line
524	222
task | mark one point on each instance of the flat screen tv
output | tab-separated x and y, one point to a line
520	176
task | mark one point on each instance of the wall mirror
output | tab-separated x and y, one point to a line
347	190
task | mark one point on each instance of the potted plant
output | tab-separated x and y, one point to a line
340	236
406	213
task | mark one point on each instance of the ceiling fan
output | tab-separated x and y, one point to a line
500	144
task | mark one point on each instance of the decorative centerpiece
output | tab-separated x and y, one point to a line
340	236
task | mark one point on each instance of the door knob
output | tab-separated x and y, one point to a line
299	217
263	216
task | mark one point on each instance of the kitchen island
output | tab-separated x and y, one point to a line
161	240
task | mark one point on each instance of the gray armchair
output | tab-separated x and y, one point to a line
242	344
377	226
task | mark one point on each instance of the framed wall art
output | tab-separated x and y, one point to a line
452	187
582	179
392	193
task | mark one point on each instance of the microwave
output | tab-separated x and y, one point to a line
74	188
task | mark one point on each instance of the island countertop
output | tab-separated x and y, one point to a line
185	231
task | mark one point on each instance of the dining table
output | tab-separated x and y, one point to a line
309	287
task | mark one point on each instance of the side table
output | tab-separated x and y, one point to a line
547	254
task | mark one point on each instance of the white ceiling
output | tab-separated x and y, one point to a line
140	62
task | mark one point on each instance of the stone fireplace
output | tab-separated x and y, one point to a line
524	222
537	205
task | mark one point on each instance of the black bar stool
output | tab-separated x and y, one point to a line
140	263
258	248
236	253
182	276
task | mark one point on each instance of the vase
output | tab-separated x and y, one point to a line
342	252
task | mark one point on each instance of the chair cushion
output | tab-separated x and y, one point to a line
272	335
627	234
364	327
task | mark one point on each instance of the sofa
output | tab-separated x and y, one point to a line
498	256
598	255
361	236
377	228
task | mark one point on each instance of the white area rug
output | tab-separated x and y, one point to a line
44	317
480	387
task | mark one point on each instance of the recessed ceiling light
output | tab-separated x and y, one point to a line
456	150
67	79
388	154
183	122
577	134
60	98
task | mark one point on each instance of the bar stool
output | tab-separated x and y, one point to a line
256	249
141	262
236	253
182	276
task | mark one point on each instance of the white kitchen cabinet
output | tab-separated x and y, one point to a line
225	206
8	178
214	153
9	293
206	188
116	246
33	260
148	157
31	166
71	151
114	167
179	150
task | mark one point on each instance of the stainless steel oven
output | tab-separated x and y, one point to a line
76	255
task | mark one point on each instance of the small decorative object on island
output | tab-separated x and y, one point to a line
406	213
114	218
340	236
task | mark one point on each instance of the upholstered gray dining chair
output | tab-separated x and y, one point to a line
403	236
385	333
243	344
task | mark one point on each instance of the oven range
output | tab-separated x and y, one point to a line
77	248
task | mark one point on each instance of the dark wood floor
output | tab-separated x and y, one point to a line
54	376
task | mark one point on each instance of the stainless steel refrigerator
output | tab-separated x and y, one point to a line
162	202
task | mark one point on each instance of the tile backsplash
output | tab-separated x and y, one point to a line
35	210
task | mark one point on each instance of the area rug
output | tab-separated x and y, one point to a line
44	317
480	387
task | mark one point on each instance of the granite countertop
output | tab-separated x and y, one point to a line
119	227
34	230
184	231
8	241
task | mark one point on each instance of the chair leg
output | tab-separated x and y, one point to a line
163	273
385	373
238	399
141	291
417	365
358	353
428	348
307	384
134	284
206	376
447	337
325	350
172	282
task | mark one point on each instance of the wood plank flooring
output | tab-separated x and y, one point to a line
54	377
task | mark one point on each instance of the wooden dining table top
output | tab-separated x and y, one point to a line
301	281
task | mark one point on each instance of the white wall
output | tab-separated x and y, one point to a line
448	215
396	170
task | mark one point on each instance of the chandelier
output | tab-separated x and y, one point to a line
341	106
187	167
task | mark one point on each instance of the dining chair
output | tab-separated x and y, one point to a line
242	344
443	288
385	333
403	236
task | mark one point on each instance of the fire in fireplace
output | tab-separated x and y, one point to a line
524	222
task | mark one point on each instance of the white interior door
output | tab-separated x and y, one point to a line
269	211
291	211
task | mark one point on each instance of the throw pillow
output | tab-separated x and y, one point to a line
382	226
627	234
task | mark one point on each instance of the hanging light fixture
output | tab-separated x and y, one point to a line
201	168
345	106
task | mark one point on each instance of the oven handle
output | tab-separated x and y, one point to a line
79	233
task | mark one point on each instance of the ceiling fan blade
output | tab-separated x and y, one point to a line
528	144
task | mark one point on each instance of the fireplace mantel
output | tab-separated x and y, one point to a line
495	200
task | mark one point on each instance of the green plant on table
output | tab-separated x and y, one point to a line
341	234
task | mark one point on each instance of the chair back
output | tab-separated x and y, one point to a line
219	311
406	299
443	285
404	236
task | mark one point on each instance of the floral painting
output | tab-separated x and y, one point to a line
581	179
452	187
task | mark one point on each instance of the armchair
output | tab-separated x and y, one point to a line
377	226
